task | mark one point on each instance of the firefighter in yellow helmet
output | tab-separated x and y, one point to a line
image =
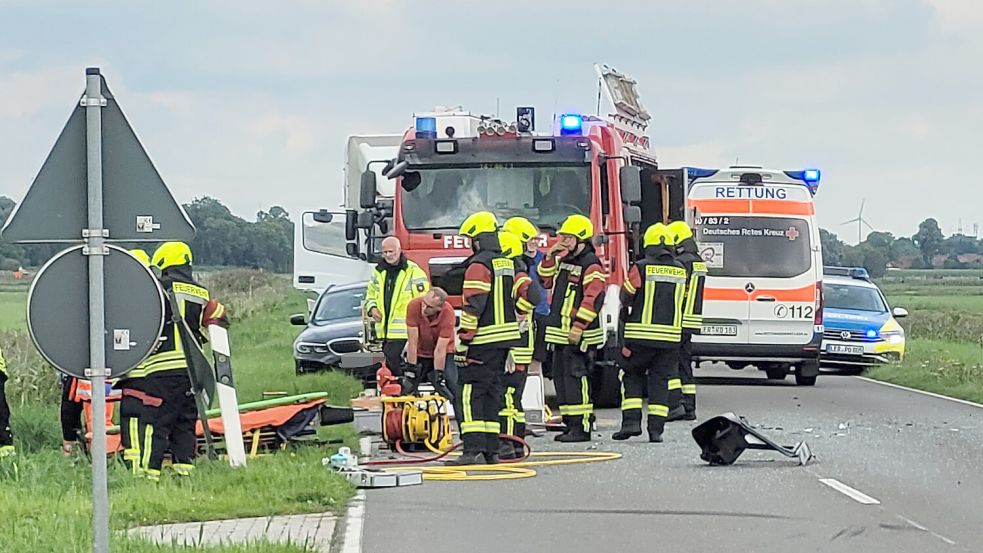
578	279
488	331
653	296
6	437
512	416
682	401
169	411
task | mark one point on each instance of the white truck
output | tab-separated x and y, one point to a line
321	256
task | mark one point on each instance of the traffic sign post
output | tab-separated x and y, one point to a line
96	163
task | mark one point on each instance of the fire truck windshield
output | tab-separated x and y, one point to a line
544	194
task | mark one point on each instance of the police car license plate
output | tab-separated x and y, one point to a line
719	330
845	350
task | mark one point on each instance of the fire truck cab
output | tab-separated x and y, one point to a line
452	163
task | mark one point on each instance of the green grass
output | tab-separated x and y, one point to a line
949	368
45	499
962	303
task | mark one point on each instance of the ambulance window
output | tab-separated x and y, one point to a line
775	247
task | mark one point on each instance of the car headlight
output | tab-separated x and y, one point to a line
894	337
303	348
321	349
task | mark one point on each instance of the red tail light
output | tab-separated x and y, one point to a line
818	319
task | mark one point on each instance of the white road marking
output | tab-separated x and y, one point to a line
853	494
351	541
923	529
922	392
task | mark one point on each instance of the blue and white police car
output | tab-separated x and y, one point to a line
859	328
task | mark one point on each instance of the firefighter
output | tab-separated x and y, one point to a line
653	298
131	404
683	405
488	330
532	257
512	416
395	282
169	412
573	271
6	437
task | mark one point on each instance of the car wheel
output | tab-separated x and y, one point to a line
807	373
776	371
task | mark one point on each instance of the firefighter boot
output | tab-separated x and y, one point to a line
491	449
631	424
575	430
689	403
467	458
656	425
678	413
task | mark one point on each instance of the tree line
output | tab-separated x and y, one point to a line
926	249
222	239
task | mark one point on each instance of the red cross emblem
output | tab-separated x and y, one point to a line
791	233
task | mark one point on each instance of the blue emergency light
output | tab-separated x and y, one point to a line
810	175
871	333
426	127
698	173
571	124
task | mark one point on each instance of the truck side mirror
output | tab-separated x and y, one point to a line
631	185
633	215
351	224
323	216
367	190
364	220
351	249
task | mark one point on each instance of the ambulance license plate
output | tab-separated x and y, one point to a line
719	330
844	350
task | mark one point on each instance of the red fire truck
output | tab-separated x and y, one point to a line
452	163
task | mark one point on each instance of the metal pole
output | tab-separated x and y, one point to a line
97	312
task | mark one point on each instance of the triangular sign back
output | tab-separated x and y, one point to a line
137	206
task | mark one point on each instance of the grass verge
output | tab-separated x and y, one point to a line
949	368
45	500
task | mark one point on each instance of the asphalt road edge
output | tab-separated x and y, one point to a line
922	392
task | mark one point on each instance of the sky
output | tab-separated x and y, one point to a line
252	102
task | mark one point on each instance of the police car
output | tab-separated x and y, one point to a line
859	328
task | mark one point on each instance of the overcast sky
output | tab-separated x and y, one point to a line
251	102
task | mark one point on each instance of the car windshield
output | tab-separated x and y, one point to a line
544	194
754	246
345	304
846	296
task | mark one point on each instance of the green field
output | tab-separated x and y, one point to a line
944	346
45	498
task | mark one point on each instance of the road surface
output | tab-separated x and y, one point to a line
895	471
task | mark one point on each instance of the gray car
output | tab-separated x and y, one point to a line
335	328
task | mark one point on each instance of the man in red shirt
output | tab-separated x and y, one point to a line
430	321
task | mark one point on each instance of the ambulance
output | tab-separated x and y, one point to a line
763	303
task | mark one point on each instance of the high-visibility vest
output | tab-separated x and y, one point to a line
693	304
169	355
568	299
496	325
411	282
655	314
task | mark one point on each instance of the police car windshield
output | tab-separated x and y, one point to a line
847	296
736	246
334	306
544	194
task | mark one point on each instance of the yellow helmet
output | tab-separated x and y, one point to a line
521	227
657	235
512	245
172	254
577	225
479	223
680	231
141	255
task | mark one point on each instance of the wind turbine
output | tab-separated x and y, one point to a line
859	219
